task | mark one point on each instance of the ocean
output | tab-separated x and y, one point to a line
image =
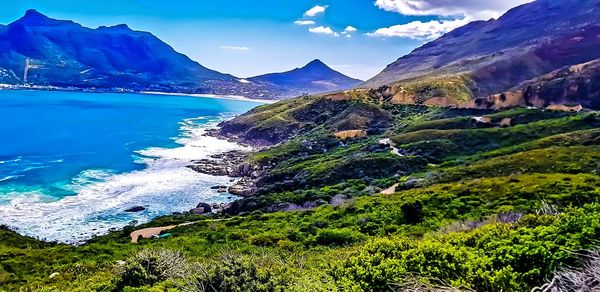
71	163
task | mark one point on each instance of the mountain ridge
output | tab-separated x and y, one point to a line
528	41
70	55
65	54
315	76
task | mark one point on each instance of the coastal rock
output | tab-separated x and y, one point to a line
198	211
224	164
202	208
135	209
244	187
231	164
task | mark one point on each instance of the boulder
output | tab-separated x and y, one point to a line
198	211
245	169
244	187
242	190
206	208
135	209
411	183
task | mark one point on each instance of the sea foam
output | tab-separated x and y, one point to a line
164	186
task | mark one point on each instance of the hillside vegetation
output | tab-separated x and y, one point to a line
472	206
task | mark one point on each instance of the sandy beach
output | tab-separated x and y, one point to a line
230	97
152	231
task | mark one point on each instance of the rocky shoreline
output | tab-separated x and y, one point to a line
232	164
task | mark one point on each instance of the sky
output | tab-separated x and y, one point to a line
252	37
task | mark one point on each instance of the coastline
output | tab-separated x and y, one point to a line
122	90
216	96
167	173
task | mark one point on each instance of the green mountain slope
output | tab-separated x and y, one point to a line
476	205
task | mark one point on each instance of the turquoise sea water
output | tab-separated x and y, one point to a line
71	163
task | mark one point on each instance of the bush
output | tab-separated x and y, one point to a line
150	266
413	212
508	257
234	271
338	237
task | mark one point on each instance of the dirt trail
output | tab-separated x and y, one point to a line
390	190
148	232
391	144
151	231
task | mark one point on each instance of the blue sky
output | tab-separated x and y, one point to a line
251	37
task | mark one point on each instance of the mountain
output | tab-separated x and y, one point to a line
570	86
494	56
38	50
315	77
43	51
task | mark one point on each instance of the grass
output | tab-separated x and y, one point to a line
572	160
465	142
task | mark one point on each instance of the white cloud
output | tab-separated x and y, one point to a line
476	9
316	10
235	48
350	29
304	22
420	30
323	30
461	12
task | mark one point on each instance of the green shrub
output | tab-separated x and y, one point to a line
150	266
234	271
507	257
338	237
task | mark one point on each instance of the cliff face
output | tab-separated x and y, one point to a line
570	86
497	55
